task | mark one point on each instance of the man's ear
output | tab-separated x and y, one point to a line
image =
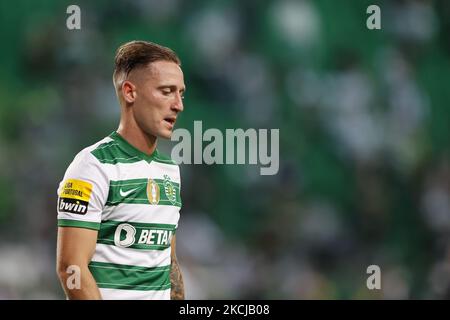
128	91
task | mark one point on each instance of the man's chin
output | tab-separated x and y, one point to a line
165	135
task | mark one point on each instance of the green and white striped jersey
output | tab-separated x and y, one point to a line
133	200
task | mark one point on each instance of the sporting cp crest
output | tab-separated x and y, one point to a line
152	192
169	189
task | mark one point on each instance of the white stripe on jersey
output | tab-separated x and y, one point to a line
134	170
120	294
145	213
130	256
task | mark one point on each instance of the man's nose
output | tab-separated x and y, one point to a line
178	103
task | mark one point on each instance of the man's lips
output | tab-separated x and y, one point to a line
170	120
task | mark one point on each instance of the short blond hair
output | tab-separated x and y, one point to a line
138	54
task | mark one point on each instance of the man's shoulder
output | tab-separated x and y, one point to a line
85	165
108	151
88	154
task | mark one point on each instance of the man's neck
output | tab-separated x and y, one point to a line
138	139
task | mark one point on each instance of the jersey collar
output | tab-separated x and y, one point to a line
124	144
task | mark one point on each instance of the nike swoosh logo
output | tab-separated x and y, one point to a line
126	193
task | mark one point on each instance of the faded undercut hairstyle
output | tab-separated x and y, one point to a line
138	54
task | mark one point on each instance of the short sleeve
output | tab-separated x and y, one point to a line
82	193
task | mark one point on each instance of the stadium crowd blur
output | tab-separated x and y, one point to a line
364	141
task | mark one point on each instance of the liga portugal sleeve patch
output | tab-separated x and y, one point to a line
74	196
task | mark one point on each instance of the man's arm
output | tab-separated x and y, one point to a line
176	278
75	247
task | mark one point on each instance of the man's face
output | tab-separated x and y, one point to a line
159	93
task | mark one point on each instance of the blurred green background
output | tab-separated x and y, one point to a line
364	140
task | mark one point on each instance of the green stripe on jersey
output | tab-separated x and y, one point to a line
120	150
144	191
111	152
136	235
119	276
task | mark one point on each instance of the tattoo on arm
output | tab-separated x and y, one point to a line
176	281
